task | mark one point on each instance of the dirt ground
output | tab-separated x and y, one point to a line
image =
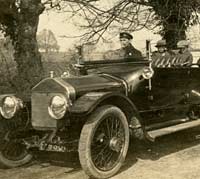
172	157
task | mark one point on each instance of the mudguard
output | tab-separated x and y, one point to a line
88	102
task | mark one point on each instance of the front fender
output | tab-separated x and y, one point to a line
88	102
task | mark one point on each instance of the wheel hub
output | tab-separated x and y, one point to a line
100	138
115	144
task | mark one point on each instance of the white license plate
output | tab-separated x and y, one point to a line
51	147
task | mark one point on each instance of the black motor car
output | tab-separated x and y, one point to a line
97	111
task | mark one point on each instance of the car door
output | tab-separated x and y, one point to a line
169	86
167	96
194	85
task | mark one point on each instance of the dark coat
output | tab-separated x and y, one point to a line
184	59
127	53
131	52
161	59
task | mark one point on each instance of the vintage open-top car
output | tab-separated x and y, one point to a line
97	111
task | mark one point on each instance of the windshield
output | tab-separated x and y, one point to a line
103	51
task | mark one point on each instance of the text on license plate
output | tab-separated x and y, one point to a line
51	147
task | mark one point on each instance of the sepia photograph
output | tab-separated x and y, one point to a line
98	89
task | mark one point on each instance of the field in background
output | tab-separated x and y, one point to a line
57	62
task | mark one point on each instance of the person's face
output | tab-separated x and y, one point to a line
161	49
124	42
183	49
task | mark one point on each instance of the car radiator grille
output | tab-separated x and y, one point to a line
40	116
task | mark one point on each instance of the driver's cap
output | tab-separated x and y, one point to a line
125	35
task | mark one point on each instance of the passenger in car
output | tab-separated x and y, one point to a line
184	56
161	57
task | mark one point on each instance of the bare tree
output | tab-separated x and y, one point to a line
19	20
170	18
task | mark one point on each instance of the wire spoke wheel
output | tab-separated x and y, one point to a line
104	142
14	154
14	151
108	143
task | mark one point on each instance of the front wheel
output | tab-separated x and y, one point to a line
104	142
14	154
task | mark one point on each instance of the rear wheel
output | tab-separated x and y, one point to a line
104	142
14	154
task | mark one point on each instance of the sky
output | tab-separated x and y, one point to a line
61	26
58	24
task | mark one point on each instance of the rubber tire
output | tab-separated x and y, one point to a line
87	133
7	163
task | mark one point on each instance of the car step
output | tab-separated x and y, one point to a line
171	129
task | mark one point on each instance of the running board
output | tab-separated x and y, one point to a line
151	135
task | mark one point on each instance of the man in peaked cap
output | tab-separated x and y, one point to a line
184	57
127	49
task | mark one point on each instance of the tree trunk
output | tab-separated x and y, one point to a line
174	30
174	19
27	56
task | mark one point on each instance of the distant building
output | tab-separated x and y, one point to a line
47	41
